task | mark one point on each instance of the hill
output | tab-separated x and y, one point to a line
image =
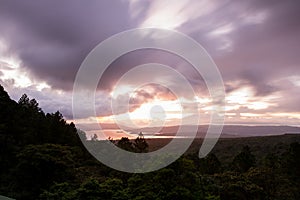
229	131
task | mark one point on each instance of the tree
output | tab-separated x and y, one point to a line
39	165
210	164
112	188
291	161
60	131
94	137
59	191
126	144
140	144
90	190
244	160
24	100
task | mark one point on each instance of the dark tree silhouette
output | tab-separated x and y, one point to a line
244	160
210	164
126	144
140	144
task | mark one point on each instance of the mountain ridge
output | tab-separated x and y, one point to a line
228	130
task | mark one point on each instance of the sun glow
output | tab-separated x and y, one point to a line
241	96
165	18
154	113
13	73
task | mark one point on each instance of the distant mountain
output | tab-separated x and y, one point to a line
229	131
233	130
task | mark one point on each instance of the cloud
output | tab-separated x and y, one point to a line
51	100
52	38
55	40
253	43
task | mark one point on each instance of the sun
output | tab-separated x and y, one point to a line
158	109
154	113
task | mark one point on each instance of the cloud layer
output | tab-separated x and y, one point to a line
255	44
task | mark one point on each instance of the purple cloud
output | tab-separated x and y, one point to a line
254	43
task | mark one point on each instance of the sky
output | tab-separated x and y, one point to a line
255	45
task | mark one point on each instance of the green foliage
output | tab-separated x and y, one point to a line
210	164
244	160
291	160
42	157
126	144
89	190
140	144
59	191
40	165
112	188
28	162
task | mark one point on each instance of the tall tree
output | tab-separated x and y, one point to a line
140	144
244	160
210	164
126	144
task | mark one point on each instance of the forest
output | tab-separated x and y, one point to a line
42	157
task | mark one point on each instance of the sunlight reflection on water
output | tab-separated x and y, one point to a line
118	134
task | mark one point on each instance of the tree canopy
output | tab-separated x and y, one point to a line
42	157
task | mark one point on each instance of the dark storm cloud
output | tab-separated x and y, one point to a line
252	42
135	58
53	37
260	52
